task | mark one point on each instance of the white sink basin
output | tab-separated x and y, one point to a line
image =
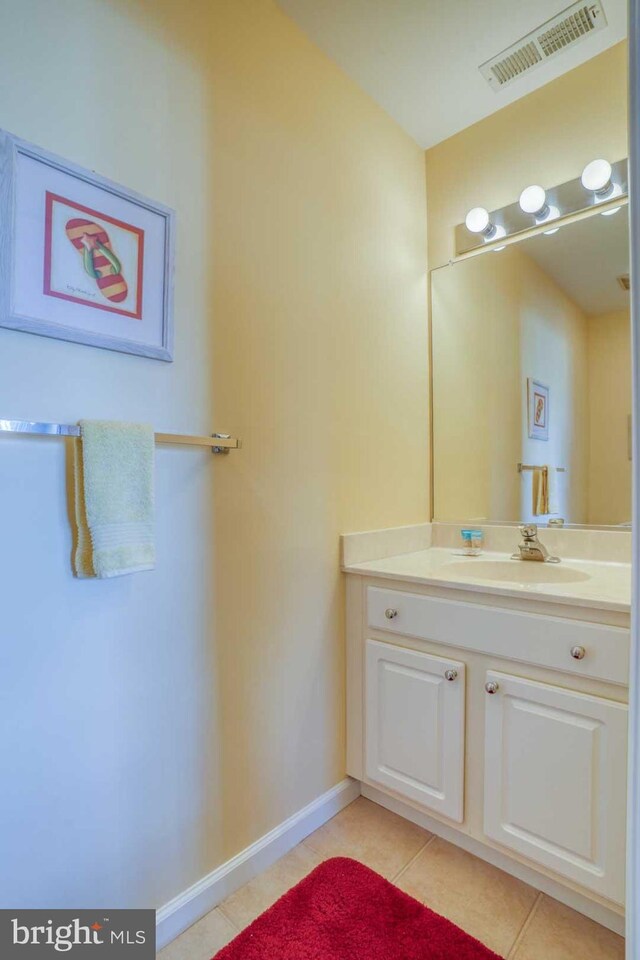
515	571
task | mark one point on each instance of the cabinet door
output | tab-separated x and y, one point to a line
415	726
555	779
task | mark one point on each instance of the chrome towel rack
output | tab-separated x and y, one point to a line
532	466
223	442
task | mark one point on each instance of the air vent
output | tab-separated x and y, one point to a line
551	38
624	281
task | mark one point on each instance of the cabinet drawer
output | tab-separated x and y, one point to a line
528	637
555	779
415	713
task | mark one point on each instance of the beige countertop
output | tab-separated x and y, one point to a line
584	583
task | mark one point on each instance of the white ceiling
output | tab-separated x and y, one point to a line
419	58
585	259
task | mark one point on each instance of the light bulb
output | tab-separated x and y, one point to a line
548	233
596	177
533	200
477	220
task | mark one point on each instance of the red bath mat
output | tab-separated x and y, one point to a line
344	911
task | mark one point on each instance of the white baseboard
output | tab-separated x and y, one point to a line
571	898
207	893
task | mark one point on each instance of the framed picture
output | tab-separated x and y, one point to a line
82	258
538	406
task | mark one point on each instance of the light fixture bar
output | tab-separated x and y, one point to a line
563	200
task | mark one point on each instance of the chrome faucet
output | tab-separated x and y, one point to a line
531	548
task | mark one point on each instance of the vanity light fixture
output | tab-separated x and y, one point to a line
478	221
596	177
602	188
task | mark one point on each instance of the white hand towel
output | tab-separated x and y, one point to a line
113	474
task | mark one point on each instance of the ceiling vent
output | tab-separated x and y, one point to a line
551	38
624	281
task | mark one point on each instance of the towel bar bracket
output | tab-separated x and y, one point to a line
220	436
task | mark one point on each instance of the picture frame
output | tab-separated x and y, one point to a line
538	409
83	258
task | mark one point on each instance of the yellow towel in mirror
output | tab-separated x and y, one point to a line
540	490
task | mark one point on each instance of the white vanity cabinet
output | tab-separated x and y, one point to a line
415	725
555	779
502	720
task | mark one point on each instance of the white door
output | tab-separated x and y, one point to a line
555	779
415	726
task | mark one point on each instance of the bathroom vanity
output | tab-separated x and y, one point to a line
486	700
486	695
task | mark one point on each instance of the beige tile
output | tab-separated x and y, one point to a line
255	897
202	940
558	933
484	901
367	832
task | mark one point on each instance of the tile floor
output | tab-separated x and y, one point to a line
509	916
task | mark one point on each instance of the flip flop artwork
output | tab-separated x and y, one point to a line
98	257
82	258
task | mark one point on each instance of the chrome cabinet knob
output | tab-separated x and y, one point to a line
491	686
390	613
578	653
451	674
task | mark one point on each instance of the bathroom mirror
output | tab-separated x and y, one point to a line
532	379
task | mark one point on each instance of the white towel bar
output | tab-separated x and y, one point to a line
530	466
223	442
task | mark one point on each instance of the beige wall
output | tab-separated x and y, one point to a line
609	409
498	319
546	137
161	722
